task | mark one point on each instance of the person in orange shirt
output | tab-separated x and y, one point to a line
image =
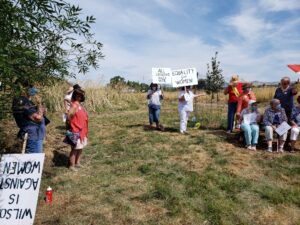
244	99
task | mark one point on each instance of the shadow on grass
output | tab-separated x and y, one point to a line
153	128
237	139
60	159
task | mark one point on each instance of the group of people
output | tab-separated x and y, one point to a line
243	108
30	115
185	105
243	113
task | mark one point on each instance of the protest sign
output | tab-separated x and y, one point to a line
20	179
184	77
283	128
250	118
162	75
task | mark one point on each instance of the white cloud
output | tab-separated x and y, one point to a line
167	4
248	24
135	41
279	5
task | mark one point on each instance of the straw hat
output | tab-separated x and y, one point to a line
234	79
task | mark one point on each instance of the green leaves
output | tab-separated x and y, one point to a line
214	78
45	39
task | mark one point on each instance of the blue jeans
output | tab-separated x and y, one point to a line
34	146
154	115
232	106
251	133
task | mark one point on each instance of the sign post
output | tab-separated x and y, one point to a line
20	179
184	77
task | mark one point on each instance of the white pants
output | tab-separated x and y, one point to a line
269	134
184	117
294	133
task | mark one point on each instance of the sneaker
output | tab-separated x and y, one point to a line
72	168
254	147
281	150
248	147
228	132
269	149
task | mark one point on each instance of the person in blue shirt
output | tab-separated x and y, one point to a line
30	119
285	94
274	116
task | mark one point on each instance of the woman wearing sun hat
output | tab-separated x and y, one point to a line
234	90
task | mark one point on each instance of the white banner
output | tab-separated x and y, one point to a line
162	76
184	77
20	179
283	128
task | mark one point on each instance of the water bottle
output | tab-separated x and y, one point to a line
49	194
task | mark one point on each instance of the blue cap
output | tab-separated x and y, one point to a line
32	91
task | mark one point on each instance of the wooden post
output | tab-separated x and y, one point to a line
24	143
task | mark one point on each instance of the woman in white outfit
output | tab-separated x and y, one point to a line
185	106
295	122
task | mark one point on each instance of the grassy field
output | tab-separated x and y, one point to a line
136	176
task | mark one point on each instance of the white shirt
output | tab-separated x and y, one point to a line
155	97
68	99
186	105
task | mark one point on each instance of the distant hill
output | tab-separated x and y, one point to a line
260	83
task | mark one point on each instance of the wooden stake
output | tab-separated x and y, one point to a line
24	143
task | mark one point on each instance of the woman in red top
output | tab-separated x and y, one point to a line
234	91
78	119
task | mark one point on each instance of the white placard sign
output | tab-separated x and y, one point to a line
162	75
283	128
20	179
184	77
250	118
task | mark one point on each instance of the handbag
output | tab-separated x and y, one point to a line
71	138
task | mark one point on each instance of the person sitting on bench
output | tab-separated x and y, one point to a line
274	116
249	119
295	122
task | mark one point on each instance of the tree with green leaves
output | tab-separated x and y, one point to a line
214	78
44	40
117	81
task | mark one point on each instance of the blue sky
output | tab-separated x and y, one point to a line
255	38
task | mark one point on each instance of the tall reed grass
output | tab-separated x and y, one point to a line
209	114
98	98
